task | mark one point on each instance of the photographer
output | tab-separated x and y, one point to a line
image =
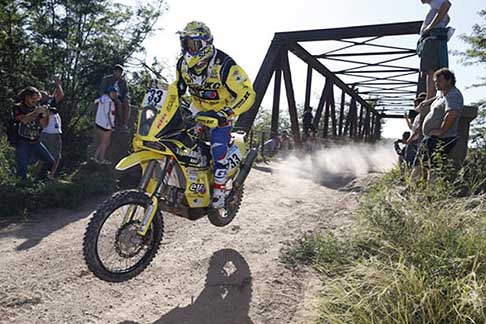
51	135
29	121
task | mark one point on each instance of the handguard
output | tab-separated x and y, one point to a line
214	119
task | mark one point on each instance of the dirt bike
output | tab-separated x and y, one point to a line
126	230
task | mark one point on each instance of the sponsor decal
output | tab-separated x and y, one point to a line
192	175
238	77
221	173
242	101
209	94
189	153
161	120
198	188
212	85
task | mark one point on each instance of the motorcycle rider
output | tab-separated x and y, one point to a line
219	89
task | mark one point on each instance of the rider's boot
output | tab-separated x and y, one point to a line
220	175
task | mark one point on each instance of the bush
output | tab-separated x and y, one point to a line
7	161
325	251
473	174
22	197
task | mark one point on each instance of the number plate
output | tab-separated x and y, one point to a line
155	97
233	157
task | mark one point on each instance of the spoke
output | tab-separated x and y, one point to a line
109	257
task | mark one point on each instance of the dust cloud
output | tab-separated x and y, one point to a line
335	167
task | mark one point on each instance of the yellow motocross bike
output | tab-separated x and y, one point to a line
126	230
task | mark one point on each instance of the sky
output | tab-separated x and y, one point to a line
244	30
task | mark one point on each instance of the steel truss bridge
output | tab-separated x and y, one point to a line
374	81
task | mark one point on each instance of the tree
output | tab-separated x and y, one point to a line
78	40
476	55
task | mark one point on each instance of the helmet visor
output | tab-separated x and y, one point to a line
192	45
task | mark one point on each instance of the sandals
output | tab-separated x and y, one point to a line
100	162
105	162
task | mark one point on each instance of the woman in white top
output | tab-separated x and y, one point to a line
105	123
51	135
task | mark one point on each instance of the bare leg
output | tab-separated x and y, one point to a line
99	134
58	160
104	144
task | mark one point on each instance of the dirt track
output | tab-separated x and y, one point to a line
43	277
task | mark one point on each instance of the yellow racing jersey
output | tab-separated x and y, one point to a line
222	84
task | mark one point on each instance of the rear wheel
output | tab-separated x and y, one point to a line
113	249
223	216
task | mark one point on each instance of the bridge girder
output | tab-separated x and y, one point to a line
357	119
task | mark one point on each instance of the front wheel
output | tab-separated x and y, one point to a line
224	216
113	249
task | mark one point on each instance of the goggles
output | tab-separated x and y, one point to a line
193	45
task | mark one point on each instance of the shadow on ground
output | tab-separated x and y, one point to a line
41	225
225	298
337	181
263	168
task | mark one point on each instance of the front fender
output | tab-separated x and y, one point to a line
136	158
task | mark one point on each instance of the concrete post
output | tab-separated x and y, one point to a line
459	151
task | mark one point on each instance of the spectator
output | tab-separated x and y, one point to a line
284	142
432	45
401	150
122	103
51	135
105	123
414	121
307	122
441	123
270	147
30	119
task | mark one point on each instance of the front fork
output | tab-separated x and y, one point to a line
152	208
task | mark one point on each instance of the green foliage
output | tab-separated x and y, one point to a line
140	79
473	174
477	52
478	126
7	160
263	121
21	197
476	55
327	252
80	41
415	257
